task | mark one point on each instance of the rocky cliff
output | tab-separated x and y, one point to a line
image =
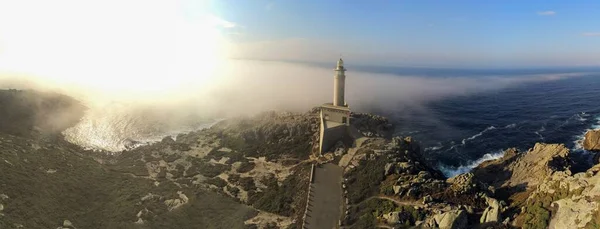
242	173
253	172
592	140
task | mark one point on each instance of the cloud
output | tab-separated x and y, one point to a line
591	34
546	13
220	22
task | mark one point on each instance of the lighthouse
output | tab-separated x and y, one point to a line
339	81
335	117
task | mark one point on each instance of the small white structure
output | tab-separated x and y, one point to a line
335	117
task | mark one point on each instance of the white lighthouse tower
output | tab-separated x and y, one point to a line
335	117
339	82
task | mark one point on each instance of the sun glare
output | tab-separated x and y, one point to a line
112	47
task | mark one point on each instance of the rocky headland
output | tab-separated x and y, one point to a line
254	172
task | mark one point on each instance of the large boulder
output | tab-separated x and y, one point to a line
462	183
371	125
524	170
577	206
492	212
454	219
592	140
392	217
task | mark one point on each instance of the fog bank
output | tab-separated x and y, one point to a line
132	111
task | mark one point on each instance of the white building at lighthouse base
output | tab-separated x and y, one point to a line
335	126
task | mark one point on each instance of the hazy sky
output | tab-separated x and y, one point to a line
424	32
135	36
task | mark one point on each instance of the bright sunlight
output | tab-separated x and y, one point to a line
122	47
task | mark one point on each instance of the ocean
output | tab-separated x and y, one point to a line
460	132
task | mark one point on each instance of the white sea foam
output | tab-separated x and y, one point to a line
433	148
578	142
451	171
114	128
510	126
478	134
538	134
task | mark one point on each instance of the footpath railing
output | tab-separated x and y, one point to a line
308	194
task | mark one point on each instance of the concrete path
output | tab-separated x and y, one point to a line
358	141
324	209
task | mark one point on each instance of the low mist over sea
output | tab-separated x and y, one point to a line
461	116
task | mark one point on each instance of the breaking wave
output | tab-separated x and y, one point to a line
578	142
452	171
478	134
116	127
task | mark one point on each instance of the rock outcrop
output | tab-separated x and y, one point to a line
592	140
524	170
575	198
454	219
492	212
371	125
392	217
463	183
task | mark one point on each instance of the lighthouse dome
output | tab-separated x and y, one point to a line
340	63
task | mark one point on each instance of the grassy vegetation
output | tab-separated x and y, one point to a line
538	210
234	156
365	214
247	183
364	180
206	210
245	167
233	178
287	199
386	186
206	169
268	136
92	195
233	190
216	181
272	149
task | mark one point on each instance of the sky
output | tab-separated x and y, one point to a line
139	42
419	33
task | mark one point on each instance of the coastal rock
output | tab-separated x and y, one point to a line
573	213
176	203
388	168
462	183
371	125
492	212
339	149
577	206
524	170
67	224
454	219
392	217
592	140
